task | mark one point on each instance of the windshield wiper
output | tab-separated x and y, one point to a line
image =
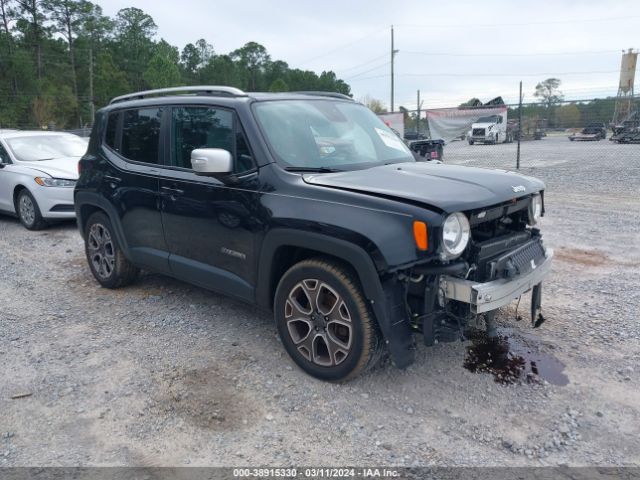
313	169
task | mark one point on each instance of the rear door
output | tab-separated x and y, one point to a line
130	181
210	223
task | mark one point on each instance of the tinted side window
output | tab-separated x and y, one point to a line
244	158
199	127
4	156
140	134
110	136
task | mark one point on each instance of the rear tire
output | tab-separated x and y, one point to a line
106	260
324	322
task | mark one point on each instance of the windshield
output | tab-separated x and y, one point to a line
328	135
491	119
35	148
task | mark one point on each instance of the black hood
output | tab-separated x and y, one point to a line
450	188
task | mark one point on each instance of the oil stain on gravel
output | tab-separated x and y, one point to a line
205	398
511	360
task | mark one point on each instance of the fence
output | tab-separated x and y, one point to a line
530	135
591	168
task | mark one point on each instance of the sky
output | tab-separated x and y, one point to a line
450	50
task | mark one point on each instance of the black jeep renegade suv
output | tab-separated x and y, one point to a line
308	205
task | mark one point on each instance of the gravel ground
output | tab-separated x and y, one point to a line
163	373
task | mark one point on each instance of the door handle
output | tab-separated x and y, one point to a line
173	192
112	179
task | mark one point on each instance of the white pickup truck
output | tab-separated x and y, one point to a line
490	129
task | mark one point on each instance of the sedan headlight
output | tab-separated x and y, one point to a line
535	209
55	182
455	235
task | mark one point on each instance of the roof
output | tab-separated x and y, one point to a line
213	91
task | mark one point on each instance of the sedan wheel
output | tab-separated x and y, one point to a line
29	212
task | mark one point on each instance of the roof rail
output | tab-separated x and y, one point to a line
326	94
203	90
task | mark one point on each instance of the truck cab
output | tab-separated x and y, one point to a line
490	129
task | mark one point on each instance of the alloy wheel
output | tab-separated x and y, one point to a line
101	250
318	322
27	210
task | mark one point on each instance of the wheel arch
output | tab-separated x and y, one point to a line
16	192
87	203
282	248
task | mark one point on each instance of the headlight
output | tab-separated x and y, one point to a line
535	209
54	182
455	235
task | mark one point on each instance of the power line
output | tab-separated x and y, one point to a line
443	54
367	71
361	64
514	24
431	74
341	47
443	74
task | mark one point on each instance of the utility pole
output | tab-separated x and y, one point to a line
419	106
92	107
519	127
393	54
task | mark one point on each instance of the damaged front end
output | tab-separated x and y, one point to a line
505	258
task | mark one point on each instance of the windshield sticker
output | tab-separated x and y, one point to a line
391	140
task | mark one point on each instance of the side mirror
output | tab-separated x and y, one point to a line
211	161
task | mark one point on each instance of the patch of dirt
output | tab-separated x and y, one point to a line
205	398
588	258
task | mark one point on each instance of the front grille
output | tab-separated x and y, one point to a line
478	132
519	261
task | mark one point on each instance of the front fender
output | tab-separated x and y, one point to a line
386	301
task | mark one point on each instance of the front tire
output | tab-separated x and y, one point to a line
324	322
106	260
29	211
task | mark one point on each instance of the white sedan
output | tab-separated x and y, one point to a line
38	171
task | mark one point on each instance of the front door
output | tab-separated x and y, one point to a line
210	223
6	191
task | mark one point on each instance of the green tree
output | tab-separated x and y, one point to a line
190	62
134	43
109	81
205	51
568	116
278	85
374	104
67	16
221	70
162	72
254	58
31	25
550	95
549	92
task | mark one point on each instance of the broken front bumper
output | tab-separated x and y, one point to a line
484	297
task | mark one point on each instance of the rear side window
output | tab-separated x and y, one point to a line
141	135
110	136
199	127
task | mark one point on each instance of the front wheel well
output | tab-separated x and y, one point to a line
16	192
287	256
